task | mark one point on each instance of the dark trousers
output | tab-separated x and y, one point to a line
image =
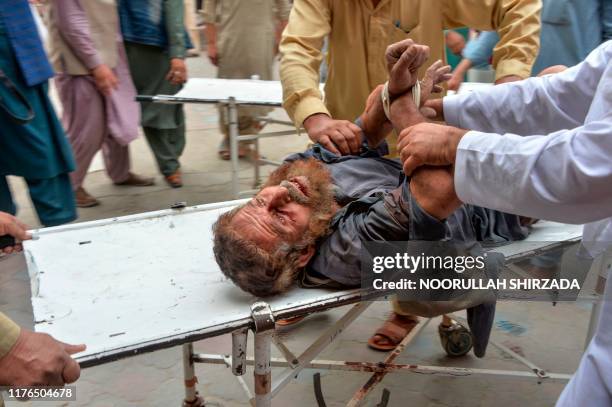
53	199
167	146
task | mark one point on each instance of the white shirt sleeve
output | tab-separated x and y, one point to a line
533	106
565	176
562	169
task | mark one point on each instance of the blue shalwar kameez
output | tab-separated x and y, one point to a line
37	150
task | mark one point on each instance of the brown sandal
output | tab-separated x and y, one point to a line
392	332
83	199
290	321
135	180
224	151
175	179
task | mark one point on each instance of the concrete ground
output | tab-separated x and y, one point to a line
552	337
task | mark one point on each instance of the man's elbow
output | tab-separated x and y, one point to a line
434	190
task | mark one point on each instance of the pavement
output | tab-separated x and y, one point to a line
551	336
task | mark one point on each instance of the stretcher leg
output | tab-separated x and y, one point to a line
192	399
263	370
239	349
232	114
264	328
257	166
603	265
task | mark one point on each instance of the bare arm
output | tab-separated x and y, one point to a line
211	43
210	30
432	187
283	8
373	120
403	61
459	73
280	27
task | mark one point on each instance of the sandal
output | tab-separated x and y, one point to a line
388	336
83	199
224	151
290	321
135	180
175	179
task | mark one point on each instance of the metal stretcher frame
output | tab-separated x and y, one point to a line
114	242
266	387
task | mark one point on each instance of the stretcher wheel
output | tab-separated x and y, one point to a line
197	402
455	339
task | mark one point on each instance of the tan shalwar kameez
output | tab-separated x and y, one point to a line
245	45
360	32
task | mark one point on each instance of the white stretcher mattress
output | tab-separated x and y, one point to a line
142	282
244	90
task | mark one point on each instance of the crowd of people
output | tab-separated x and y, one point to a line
456	158
102	54
569	32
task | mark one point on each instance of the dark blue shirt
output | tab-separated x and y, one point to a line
22	34
378	206
157	23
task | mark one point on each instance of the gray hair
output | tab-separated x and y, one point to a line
251	268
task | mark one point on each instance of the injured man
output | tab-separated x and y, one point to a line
310	219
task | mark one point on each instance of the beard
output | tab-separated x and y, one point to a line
318	193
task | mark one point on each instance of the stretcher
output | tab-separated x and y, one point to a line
139	283
232	93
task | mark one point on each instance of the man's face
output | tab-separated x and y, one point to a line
455	42
284	210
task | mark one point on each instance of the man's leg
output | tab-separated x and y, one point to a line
117	162
6	198
396	327
83	117
167	145
53	199
246	125
178	141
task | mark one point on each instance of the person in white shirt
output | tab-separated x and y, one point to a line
540	148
